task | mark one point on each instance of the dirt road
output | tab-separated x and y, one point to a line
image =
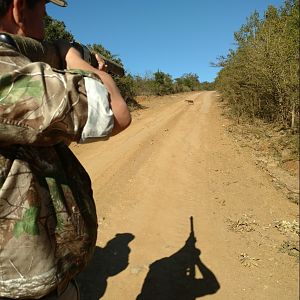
176	160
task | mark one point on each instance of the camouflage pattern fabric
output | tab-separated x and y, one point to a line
48	223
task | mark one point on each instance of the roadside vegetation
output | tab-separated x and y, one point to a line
260	78
259	86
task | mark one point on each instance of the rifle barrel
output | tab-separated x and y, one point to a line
192	224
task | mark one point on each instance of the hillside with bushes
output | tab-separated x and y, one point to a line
260	78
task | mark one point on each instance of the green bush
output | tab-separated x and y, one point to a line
260	78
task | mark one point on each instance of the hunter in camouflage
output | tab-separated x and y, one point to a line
46	210
48	222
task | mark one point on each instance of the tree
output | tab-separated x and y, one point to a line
55	30
260	78
188	82
207	86
163	83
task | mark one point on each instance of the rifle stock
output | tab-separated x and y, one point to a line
47	52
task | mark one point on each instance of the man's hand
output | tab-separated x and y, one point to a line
101	63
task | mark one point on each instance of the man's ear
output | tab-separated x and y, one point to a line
18	12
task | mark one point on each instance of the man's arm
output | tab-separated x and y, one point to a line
43	106
120	110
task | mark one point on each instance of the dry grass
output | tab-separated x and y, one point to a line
291	247
243	224
287	227
248	261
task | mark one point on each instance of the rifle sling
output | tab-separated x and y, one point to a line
7	39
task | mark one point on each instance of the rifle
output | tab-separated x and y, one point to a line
47	52
191	243
192	233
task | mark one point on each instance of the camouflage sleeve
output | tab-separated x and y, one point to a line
42	106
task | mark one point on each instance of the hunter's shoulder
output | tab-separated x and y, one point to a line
11	59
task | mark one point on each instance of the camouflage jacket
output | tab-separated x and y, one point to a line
48	223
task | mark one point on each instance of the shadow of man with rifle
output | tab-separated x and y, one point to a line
173	277
107	262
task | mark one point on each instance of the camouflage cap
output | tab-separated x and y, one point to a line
59	2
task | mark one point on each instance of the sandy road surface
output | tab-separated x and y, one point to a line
176	161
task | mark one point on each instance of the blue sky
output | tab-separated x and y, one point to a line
173	36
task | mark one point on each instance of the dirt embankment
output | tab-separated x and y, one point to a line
175	161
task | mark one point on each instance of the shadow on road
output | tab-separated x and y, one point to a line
174	277
107	262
